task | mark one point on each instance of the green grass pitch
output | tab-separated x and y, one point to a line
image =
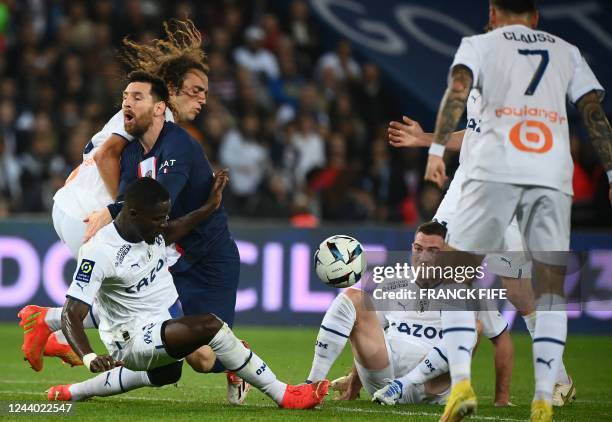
289	354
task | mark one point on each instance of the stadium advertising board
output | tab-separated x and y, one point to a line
278	284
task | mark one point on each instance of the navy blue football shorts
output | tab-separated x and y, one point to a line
210	284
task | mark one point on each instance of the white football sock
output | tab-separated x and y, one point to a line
373	379
548	344
244	362
432	366
530	322
116	381
54	318
562	375
459	337
335	330
60	337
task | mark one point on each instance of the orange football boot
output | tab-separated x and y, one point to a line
59	393
54	348
35	334
304	396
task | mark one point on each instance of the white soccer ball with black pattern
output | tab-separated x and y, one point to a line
340	261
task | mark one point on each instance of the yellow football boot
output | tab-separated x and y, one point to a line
461	402
541	411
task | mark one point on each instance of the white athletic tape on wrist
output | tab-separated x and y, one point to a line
609	173
437	149
88	358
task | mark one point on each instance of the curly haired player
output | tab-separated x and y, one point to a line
181	63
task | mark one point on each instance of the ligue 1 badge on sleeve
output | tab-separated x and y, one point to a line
85	270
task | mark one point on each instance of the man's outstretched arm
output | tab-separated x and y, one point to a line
409	133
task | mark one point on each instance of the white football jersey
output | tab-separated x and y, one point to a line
524	76
84	192
130	281
419	320
417	327
412	320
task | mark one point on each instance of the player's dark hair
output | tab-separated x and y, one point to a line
515	6
145	191
173	71
431	228
159	90
170	58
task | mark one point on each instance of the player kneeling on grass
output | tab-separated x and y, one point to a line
395	344
124	268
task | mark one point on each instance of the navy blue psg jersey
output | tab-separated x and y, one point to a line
178	162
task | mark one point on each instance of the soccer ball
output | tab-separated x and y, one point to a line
340	261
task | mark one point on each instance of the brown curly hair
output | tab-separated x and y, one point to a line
170	58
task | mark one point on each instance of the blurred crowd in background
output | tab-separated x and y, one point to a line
300	123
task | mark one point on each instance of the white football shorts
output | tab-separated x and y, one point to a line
69	229
513	265
143	349
493	323
486	209
404	355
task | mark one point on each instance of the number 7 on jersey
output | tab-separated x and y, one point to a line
537	76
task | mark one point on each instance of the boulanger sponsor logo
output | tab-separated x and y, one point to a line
531	136
549	115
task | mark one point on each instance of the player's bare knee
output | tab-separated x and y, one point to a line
357	298
353	294
202	360
164	375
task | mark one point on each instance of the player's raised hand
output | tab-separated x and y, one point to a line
95	221
436	170
216	193
104	363
407	133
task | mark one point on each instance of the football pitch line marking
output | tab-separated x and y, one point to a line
270	406
408	413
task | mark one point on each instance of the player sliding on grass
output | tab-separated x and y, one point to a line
180	61
520	166
124	267
398	341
